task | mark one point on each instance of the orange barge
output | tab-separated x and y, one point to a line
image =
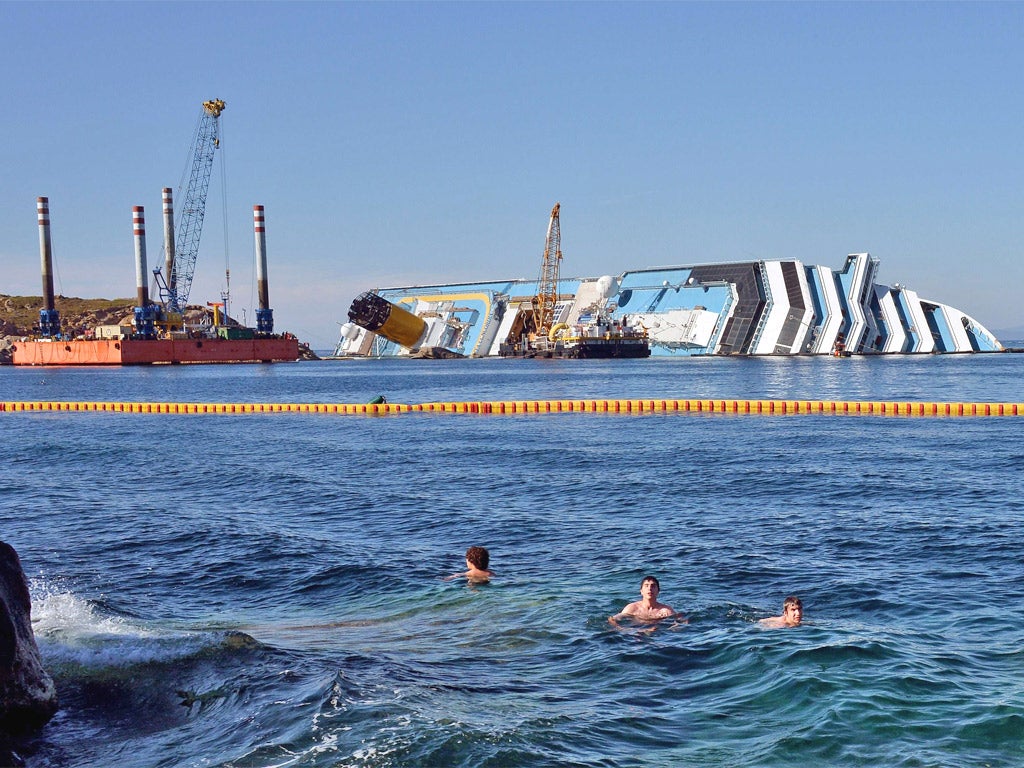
149	351
141	344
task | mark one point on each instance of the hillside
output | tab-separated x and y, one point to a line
19	314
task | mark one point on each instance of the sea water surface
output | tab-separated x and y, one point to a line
268	589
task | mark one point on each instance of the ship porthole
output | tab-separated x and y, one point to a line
117	345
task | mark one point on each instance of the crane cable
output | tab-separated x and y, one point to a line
224	217
186	170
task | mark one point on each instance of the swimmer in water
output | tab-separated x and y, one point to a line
477	560
647	609
792	614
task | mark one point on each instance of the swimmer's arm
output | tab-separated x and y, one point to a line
671	620
678	620
623	614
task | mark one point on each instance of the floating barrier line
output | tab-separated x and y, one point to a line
509	407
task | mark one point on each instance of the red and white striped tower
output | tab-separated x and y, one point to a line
45	250
264	314
169	239
139	228
145	313
49	319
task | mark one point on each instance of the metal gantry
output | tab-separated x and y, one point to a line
547	286
193	207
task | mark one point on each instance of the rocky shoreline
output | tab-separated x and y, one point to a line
28	696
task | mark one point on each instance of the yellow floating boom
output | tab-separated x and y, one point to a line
641	406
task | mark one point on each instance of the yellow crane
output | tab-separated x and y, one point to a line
547	286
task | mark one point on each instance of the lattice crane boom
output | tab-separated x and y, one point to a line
547	286
193	207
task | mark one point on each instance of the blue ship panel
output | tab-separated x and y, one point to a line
906	317
520	287
843	280
659	351
814	285
472	307
638	299
739	331
883	328
504	286
656	278
973	338
940	329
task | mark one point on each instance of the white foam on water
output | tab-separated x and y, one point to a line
72	630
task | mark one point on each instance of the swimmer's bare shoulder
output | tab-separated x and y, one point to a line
475	575
640	612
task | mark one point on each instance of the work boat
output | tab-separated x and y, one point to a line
596	336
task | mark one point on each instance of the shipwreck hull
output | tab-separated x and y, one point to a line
771	307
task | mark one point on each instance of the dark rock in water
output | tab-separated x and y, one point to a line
28	697
305	353
234	639
435	353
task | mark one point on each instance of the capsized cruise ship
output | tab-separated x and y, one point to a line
742	308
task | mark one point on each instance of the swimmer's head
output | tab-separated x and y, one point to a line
478	557
792	610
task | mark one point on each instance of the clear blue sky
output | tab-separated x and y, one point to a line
400	143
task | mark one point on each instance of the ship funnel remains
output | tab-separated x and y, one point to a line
49	317
379	315
264	314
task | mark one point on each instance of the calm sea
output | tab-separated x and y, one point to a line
267	590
